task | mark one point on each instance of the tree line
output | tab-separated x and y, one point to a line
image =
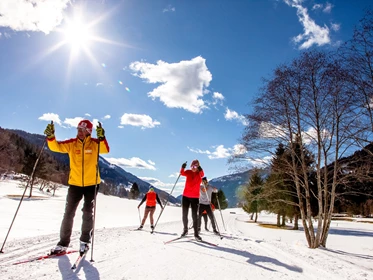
309	114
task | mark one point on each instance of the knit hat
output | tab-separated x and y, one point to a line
194	162
87	125
151	189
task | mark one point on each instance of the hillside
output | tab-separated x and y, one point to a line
113	174
230	183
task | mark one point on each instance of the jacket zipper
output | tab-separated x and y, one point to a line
83	164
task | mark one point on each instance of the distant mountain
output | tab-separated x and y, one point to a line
230	183
108	171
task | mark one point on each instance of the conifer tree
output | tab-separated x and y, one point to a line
253	200
134	192
222	200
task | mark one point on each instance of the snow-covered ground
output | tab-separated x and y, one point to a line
248	251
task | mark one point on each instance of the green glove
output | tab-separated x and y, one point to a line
100	133
49	131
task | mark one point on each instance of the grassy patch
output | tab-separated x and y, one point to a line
273	226
343	219
368	222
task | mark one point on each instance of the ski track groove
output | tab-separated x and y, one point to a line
20	249
249	257
276	249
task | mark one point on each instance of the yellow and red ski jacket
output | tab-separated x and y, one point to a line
83	158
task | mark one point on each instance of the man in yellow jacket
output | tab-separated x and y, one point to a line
84	175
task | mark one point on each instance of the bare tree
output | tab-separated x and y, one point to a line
308	102
357	54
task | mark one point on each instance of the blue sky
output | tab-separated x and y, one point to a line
170	81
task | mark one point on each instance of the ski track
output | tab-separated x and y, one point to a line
249	257
306	260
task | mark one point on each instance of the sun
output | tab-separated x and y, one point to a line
77	34
80	33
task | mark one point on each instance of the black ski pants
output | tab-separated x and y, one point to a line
74	196
193	203
207	207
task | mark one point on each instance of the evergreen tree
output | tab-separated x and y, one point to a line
280	187
134	192
222	200
254	202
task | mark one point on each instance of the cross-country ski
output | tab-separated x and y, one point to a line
43	257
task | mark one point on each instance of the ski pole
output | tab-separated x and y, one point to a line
95	200
191	225
217	199
23	195
168	198
139	215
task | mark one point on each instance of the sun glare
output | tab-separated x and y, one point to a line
77	35
81	35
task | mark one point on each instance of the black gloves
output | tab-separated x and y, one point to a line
199	168
49	131
184	165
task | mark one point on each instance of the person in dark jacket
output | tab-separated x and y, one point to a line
151	198
190	196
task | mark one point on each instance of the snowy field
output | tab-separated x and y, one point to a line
248	250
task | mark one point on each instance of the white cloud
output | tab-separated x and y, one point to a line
317	6
269	130
259	162
335	26
328	8
99	84
6	35
233	115
182	84
310	136
239	149
133	162
72	122
167	187
313	33
87	114
68	122
51	117
138	120
169	8
217	98
174	175
107	117
32	15
220	151
95	123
